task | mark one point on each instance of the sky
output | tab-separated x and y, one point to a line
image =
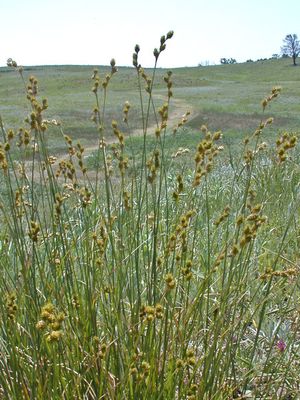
91	32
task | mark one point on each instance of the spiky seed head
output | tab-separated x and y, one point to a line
170	34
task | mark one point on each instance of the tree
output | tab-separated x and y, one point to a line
228	61
291	47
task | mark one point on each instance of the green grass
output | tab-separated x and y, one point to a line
150	276
224	96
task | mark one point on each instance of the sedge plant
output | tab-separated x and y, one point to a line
154	276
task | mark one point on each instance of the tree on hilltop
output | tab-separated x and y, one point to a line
291	46
228	60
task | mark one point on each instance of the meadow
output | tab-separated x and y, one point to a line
149	231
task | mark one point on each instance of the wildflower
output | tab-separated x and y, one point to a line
281	345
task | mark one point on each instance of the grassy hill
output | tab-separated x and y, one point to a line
225	97
170	270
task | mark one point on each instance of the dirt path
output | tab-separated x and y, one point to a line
177	109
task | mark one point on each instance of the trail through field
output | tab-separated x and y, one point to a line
177	110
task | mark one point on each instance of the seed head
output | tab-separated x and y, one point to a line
179	363
162	39
40	325
170	34
54	336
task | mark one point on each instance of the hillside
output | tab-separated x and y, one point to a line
225	97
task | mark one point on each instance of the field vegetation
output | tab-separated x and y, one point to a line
149	240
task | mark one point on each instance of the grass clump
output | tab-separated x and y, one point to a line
158	275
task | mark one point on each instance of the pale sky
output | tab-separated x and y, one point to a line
38	32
